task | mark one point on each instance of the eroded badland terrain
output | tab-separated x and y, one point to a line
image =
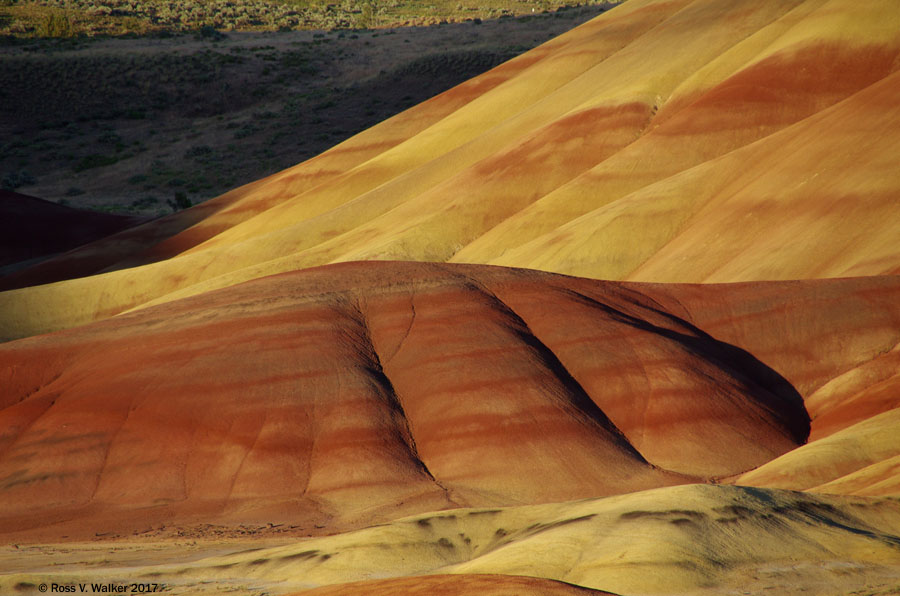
620	315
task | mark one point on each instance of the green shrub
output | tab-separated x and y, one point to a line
14	180
181	202
144	202
209	33
94	161
199	151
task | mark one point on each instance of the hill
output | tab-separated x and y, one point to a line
350	394
33	230
602	152
376	371
693	539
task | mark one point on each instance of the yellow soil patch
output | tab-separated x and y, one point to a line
676	540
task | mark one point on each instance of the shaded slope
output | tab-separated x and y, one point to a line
356	391
760	149
91	258
834	341
168	236
32	229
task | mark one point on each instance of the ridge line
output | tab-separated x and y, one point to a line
579	399
377	372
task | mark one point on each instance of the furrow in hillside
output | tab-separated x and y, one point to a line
347	394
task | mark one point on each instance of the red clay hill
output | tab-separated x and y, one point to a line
357	392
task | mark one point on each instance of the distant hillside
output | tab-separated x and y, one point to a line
31	229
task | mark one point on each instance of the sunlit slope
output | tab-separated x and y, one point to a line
694	539
334	176
813	57
860	459
704	140
788	206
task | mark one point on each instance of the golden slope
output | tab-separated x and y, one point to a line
683	140
693	539
786	207
860	459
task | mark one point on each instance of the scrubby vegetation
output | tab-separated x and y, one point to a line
129	125
68	18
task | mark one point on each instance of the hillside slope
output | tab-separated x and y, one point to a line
354	393
685	540
32	229
680	140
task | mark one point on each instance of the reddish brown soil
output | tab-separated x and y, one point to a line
352	393
456	585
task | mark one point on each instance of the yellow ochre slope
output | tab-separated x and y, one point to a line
680	140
